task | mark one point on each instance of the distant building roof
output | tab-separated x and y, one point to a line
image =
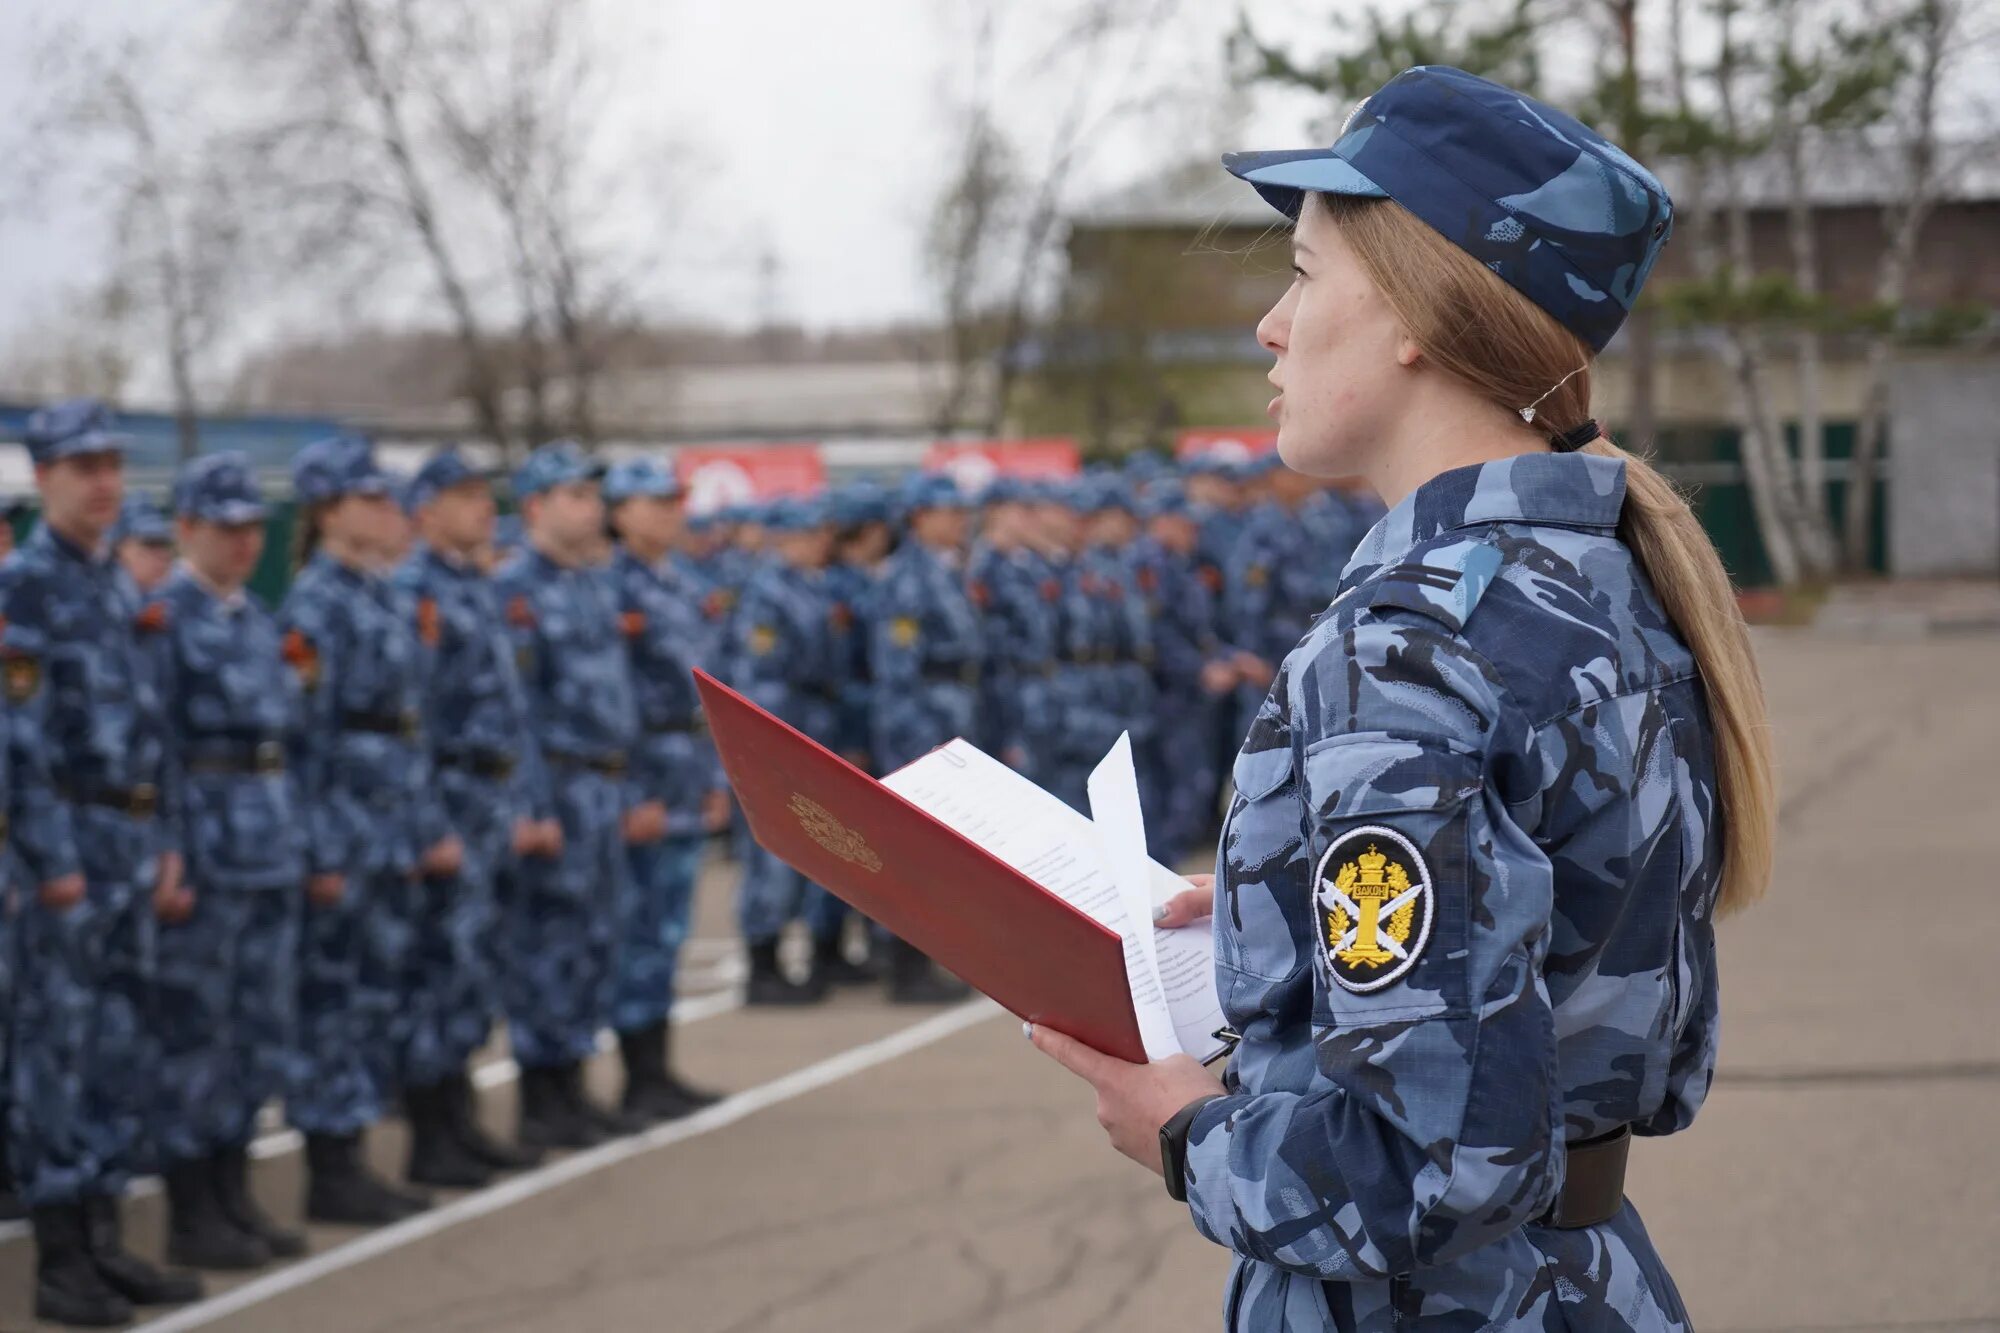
1843	173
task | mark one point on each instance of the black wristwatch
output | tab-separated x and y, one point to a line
1173	1146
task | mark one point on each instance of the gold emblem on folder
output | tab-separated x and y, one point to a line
830	833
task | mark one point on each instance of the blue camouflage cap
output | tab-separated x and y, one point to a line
796	513
219	488
557	463
860	502
640	476
140	520
441	471
1005	491
930	490
68	429
343	465
1162	498
1562	214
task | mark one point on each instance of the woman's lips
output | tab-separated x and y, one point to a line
1271	409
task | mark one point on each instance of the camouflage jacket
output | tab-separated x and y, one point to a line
1462	916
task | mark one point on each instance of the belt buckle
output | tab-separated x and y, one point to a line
142	801
969	673
268	757
406	725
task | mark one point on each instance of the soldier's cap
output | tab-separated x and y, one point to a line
446	468
219	488
1145	465
1006	491
1255	466
1208	464
1098	495
645	475
1560	213
796	513
69	429
930	490
557	463
140	520
859	502
342	465
1163	498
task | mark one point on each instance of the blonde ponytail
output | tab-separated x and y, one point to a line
1471	324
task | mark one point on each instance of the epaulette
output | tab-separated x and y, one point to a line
1444	582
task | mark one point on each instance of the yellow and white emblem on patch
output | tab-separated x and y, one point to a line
763	639
1375	907
903	631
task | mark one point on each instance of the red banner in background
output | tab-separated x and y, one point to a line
719	476
1229	444
974	464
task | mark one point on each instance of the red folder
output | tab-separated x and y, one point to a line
1043	959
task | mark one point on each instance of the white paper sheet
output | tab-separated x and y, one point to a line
1171	972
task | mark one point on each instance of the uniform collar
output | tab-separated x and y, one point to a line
69	550
1572	490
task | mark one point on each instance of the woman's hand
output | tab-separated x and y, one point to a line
1189	905
1133	1101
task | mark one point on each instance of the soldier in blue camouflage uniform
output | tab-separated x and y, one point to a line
1464	903
1192	672
98	838
674	767
782	657
476	720
376	831
562	920
228	978
926	646
1009	584
1110	565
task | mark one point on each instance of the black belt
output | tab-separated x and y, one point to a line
1101	658
138	802
262	758
1594	1185
693	727
382	724
965	673
609	765
497	765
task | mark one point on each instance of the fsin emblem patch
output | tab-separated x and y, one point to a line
1375	907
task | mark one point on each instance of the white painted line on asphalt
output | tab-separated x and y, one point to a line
515	1189
276	1142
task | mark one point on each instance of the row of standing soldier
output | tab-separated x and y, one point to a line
489	772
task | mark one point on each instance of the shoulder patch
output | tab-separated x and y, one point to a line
1375	906
23	676
1444	584
427	621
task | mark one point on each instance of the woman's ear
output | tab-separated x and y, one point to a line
1408	353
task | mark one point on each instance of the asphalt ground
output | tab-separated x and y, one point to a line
895	1170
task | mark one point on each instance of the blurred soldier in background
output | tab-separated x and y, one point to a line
1112	576
1192	672
12	510
562	919
476	720
925	650
88	747
375	827
1009	583
228	968
673	767
782	657
143	543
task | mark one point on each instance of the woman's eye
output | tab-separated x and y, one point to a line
1298	274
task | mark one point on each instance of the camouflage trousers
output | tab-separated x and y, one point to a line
82	1061
449	993
338	1085
772	893
560	922
659	901
1177	774
225	1017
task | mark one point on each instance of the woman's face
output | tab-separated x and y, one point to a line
1340	355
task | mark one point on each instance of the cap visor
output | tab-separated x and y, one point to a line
93	442
1284	178
237	511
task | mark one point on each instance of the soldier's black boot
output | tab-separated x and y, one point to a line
463	1109
68	1287
232	1195
199	1235
436	1155
830	961
913	979
651	1088
10	1201
342	1189
548	1120
612	1123
126	1273
769	985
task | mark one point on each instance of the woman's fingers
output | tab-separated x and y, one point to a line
1188	906
1071	1054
